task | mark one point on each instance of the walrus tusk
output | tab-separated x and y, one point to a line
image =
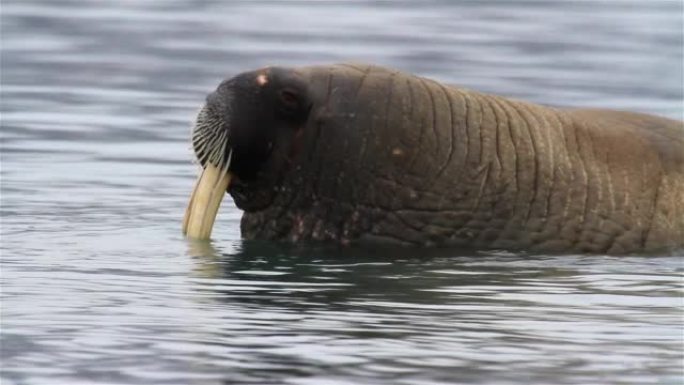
205	201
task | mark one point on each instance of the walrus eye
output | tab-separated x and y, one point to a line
289	98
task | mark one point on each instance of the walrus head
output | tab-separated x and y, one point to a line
243	138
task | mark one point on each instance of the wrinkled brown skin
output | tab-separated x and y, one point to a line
390	157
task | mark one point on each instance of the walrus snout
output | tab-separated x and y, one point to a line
247	115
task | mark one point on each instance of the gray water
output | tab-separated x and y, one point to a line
99	286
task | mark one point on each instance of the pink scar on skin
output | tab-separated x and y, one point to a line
262	79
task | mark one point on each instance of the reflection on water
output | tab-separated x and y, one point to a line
98	286
337	314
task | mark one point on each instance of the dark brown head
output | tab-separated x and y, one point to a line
248	125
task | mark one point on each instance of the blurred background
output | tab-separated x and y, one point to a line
97	101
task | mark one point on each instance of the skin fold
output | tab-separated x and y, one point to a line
354	153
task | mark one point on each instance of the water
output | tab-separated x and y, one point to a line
99	287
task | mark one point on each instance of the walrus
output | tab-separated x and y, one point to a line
353	153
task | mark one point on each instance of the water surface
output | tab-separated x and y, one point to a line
98	286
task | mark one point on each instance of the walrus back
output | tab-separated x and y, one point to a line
648	153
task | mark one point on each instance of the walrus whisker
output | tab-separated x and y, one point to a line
230	157
215	156
203	160
199	143
222	152
209	140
